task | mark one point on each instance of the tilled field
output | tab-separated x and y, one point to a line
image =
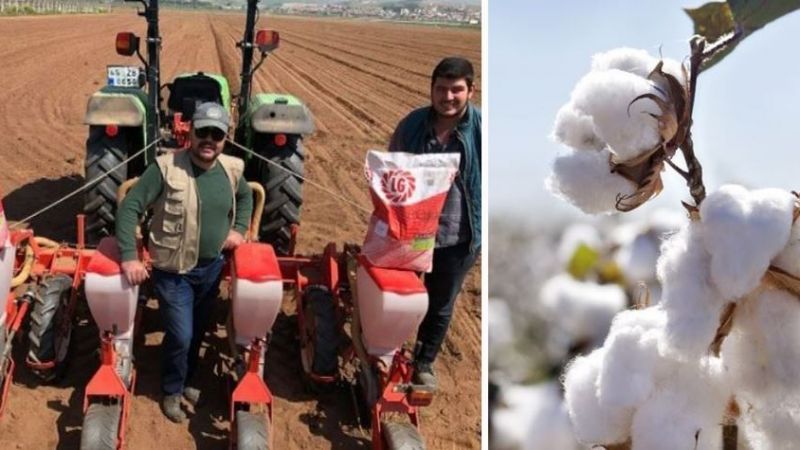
358	78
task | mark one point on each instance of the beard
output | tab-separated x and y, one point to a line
206	152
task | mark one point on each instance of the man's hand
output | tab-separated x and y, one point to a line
233	240
135	272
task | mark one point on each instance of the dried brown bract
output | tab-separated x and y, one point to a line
674	124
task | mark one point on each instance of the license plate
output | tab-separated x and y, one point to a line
123	76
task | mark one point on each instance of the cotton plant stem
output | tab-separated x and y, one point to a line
730	431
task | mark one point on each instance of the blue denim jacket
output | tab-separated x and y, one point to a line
410	136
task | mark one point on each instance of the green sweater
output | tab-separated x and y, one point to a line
214	192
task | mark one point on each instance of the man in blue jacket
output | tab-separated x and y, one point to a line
451	124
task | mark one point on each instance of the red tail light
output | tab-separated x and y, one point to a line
111	130
267	40
127	43
280	140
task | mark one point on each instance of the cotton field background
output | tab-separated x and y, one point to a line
674	326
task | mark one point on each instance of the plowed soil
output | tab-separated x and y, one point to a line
359	79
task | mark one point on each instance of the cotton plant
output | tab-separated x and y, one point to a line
716	359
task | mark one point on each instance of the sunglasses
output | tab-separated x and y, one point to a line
215	133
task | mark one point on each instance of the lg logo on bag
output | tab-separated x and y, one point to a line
398	185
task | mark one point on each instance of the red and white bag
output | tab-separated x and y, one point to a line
408	192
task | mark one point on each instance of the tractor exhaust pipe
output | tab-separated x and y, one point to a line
247	47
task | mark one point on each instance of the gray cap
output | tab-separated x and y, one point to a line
211	115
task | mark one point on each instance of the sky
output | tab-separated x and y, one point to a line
746	121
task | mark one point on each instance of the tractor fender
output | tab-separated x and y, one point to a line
119	108
279	113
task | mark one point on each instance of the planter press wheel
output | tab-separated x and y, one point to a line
51	326
320	352
101	426
401	436
252	432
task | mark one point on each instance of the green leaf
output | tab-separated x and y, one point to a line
754	14
712	20
715	20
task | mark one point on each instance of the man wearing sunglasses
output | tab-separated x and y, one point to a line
201	206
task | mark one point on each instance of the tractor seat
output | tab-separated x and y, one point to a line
186	92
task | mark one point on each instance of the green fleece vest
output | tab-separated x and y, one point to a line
175	228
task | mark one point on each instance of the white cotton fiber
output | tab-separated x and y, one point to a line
592	423
532	417
581	311
777	315
691	302
576	129
746	363
632	60
743	231
637	61
684	413
574	236
628	128
632	360
789	258
771	421
638	258
585	180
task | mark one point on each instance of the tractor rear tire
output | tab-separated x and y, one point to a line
47	343
402	436
320	317
284	190
251	431
100	427
100	202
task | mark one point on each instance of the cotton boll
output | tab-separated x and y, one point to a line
635	61
789	258
692	304
592	423
684	412
574	236
585	180
579	311
632	362
576	129
628	128
743	231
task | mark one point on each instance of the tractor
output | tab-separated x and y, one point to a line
124	117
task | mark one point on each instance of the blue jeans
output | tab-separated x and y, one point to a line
185	301
450	267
